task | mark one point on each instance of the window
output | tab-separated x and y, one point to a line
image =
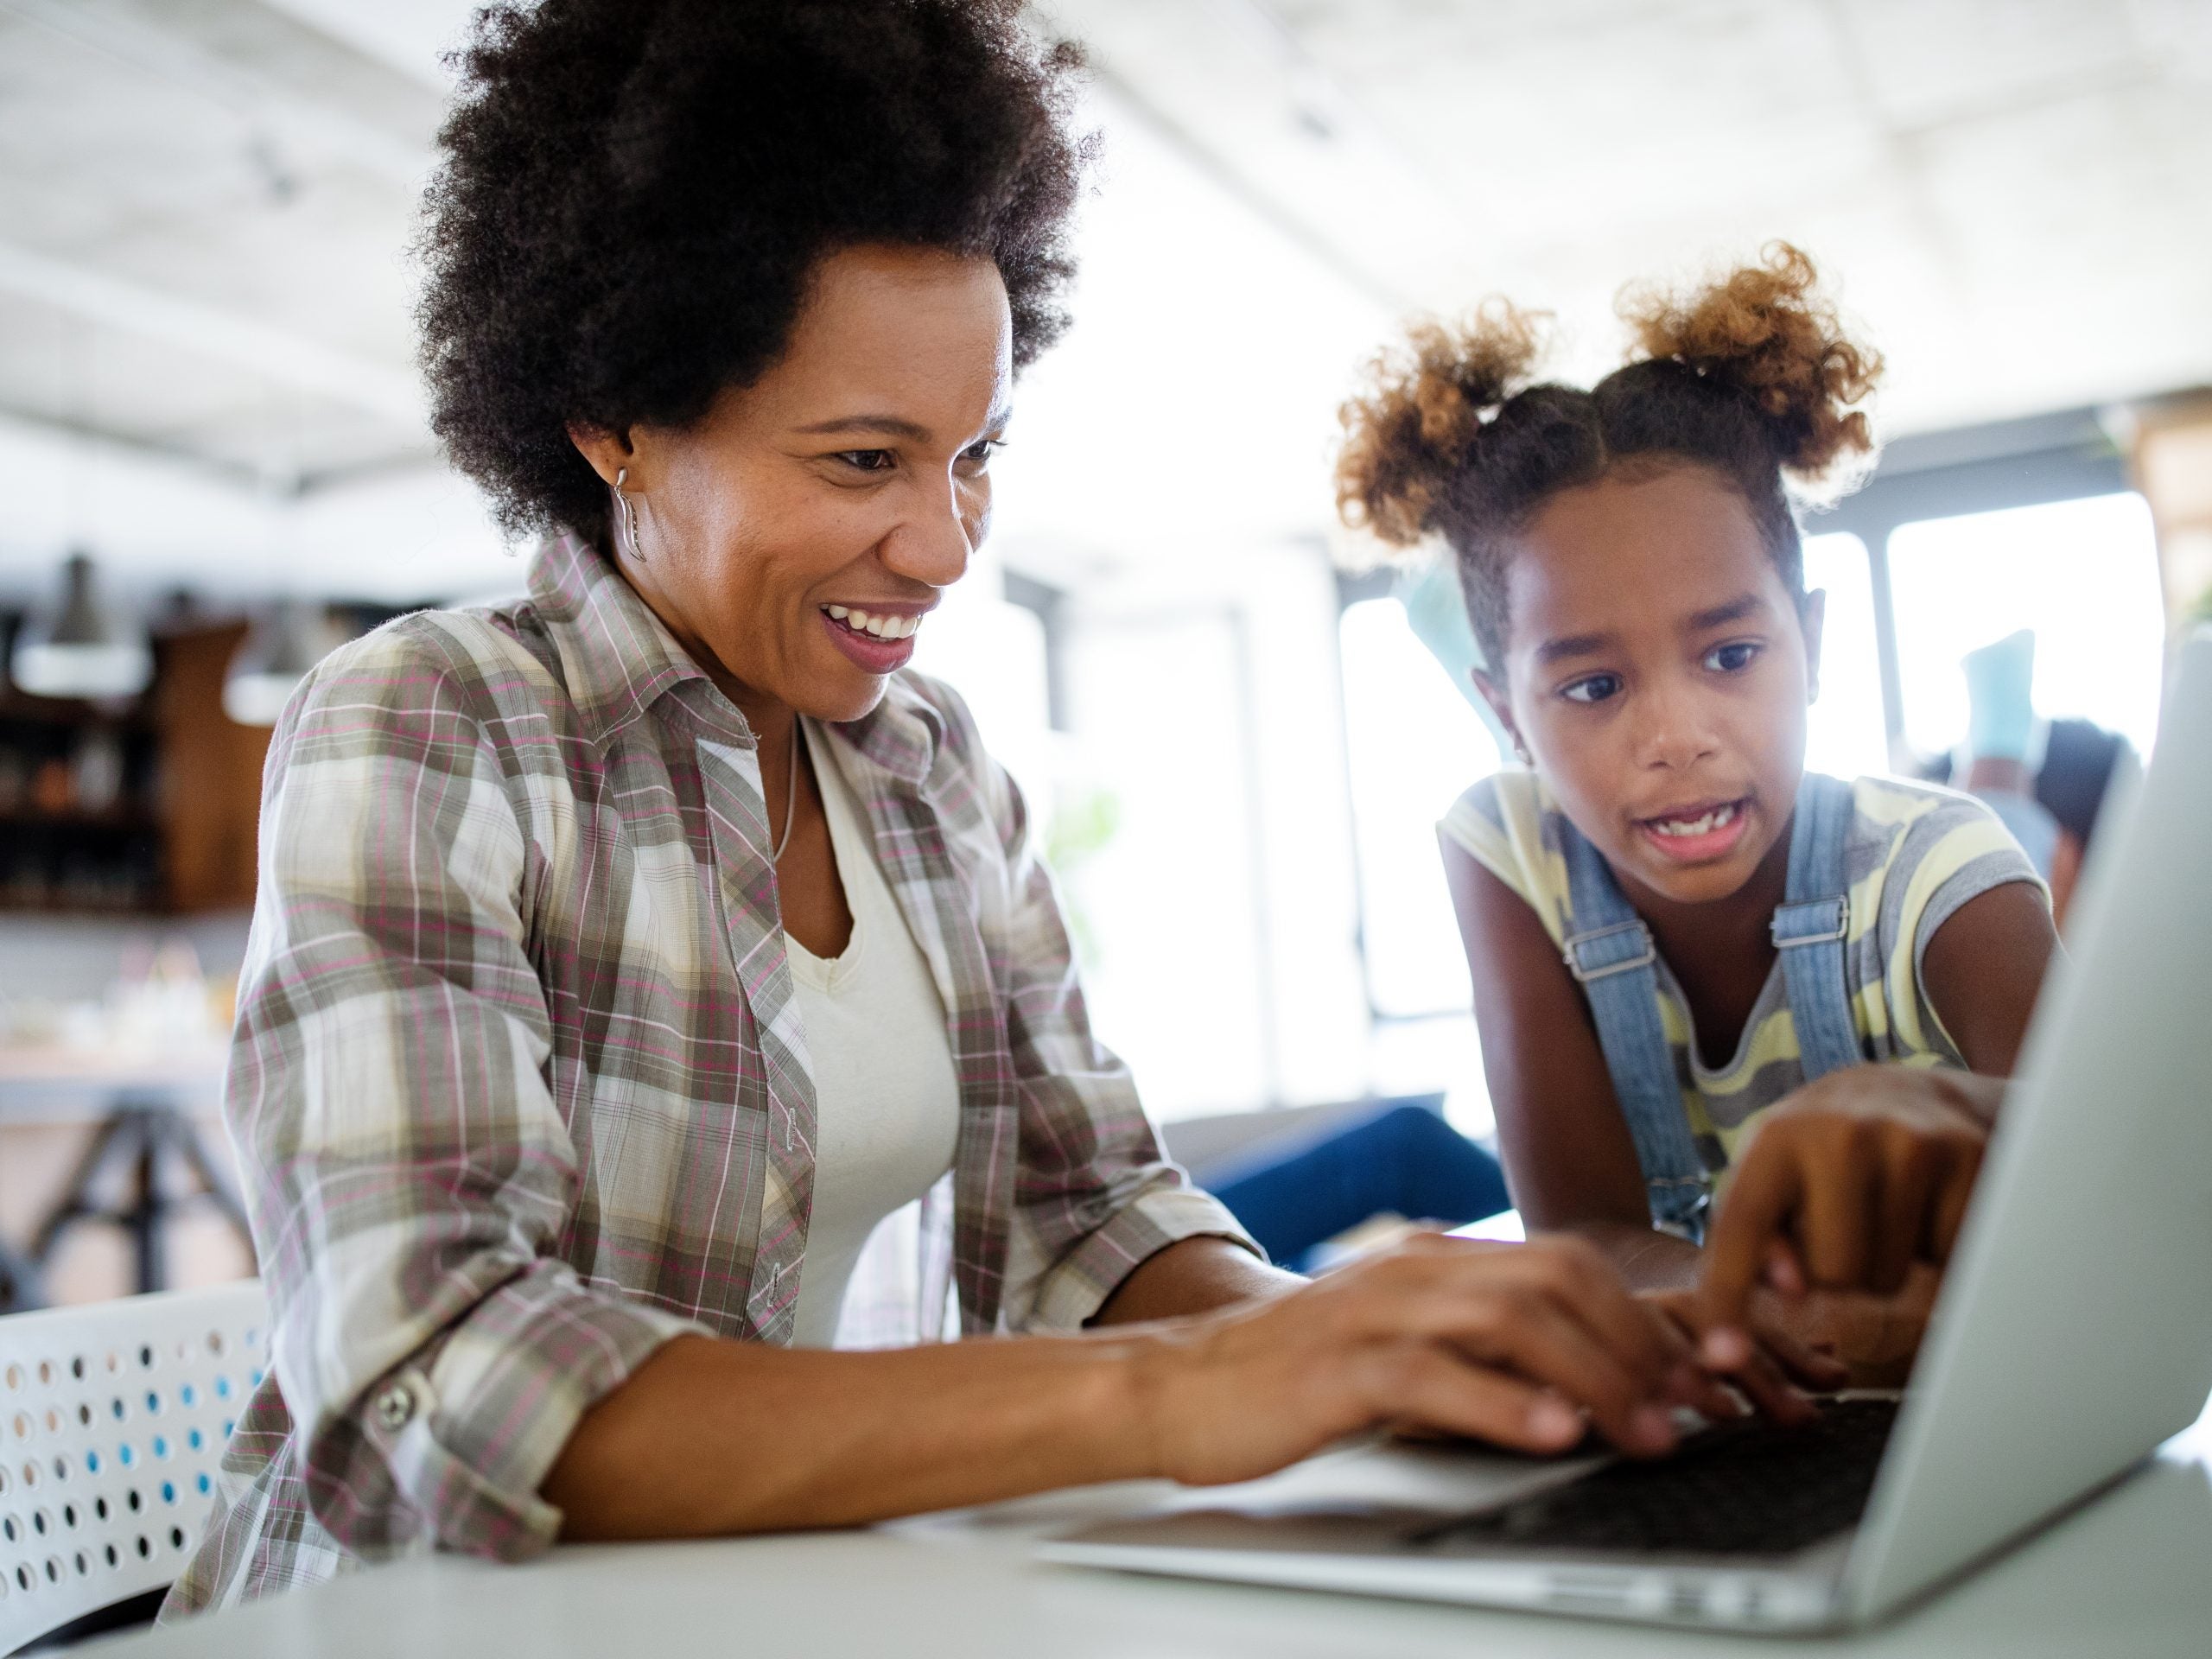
1414	744
2082	574
1844	734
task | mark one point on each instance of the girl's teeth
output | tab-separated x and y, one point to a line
1719	817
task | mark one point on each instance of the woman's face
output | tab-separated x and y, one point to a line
795	538
1658	672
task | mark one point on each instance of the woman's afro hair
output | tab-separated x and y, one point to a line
634	193
1751	376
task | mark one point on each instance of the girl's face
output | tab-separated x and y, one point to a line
1657	671
795	538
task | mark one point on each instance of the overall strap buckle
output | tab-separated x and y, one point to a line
1816	921
1606	951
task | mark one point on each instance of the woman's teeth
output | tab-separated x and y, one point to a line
883	627
1720	818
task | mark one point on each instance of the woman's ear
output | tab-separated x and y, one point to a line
1812	615
1502	706
608	453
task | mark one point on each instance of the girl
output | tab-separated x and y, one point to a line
1672	928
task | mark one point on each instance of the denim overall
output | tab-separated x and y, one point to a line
1611	957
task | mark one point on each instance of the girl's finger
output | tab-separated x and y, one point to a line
1785	1272
1904	1221
1761	1205
1838	1211
1949	1210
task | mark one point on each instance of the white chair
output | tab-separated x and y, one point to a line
113	1422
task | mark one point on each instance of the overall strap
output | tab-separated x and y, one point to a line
1811	924
1611	958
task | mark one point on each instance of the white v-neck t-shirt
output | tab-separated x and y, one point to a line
886	1098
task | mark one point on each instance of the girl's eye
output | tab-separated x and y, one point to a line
869	461
978	454
1592	688
1732	659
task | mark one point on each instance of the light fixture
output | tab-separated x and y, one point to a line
273	658
86	650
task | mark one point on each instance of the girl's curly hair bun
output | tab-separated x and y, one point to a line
1411	432
1763	330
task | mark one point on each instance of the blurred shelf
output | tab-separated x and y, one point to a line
114	818
181	836
20	708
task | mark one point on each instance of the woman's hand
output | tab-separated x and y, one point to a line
1520	1344
1844	1188
1789	1353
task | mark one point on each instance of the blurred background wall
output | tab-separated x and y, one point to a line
206	389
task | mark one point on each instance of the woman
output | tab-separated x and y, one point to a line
624	954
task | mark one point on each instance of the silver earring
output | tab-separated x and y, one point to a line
629	518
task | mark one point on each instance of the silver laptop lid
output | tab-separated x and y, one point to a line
2074	1329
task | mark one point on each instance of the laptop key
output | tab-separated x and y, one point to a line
1747	1487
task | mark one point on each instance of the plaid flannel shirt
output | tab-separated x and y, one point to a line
519	1087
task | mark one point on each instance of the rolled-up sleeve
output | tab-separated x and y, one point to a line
410	1172
1093	1197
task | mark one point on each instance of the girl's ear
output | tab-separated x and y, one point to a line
1501	706
1811	615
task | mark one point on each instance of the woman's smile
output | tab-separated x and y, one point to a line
878	641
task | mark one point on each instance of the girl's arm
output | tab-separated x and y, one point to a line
1570	1160
1982	971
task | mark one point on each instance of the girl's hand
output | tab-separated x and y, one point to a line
1844	1187
1520	1344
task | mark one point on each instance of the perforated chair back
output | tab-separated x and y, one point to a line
112	1421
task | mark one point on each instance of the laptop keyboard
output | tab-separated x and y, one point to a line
1746	1487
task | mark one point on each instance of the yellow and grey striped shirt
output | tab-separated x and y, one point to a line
1914	853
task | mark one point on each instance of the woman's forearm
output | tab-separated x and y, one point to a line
1194	1275
712	1436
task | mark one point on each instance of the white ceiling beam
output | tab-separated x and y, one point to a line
208	331
388	135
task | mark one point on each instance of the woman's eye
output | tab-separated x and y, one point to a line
869	461
1731	658
979	454
1592	688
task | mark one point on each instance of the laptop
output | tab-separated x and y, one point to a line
2069	1341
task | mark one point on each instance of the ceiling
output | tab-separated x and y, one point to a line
206	359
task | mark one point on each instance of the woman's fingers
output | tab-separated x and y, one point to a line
1697	1387
1450	1278
1799	1361
1421	1384
1771	1392
1577	1275
1513	1324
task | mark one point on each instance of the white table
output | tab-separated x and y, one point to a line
2128	1575
51	1083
